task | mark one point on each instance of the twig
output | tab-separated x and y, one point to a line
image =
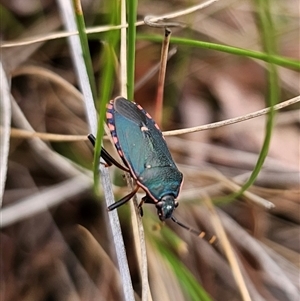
232	120
56	137
182	12
60	35
154	21
162	76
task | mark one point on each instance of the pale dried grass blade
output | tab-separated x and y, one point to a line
5	119
75	47
43	200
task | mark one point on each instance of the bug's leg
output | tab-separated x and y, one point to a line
141	211
145	199
111	161
106	156
92	139
124	200
140	208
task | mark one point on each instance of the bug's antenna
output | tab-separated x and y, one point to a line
211	238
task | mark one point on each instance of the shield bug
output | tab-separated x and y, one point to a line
144	152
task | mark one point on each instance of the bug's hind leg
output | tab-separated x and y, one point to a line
106	156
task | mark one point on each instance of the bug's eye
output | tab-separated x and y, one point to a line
159	205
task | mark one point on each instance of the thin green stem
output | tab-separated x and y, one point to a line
266	29
269	45
132	13
275	59
106	83
85	46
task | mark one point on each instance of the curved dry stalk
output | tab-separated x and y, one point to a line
48	157
153	22
180	13
49	76
98	29
21	133
232	120
162	76
57	137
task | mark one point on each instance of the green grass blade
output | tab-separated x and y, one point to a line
275	59
269	44
132	13
85	46
111	39
165	243
267	31
193	290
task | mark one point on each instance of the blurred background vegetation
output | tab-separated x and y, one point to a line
55	243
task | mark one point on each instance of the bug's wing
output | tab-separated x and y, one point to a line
139	137
145	150
129	110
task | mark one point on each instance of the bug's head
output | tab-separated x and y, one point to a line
166	206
